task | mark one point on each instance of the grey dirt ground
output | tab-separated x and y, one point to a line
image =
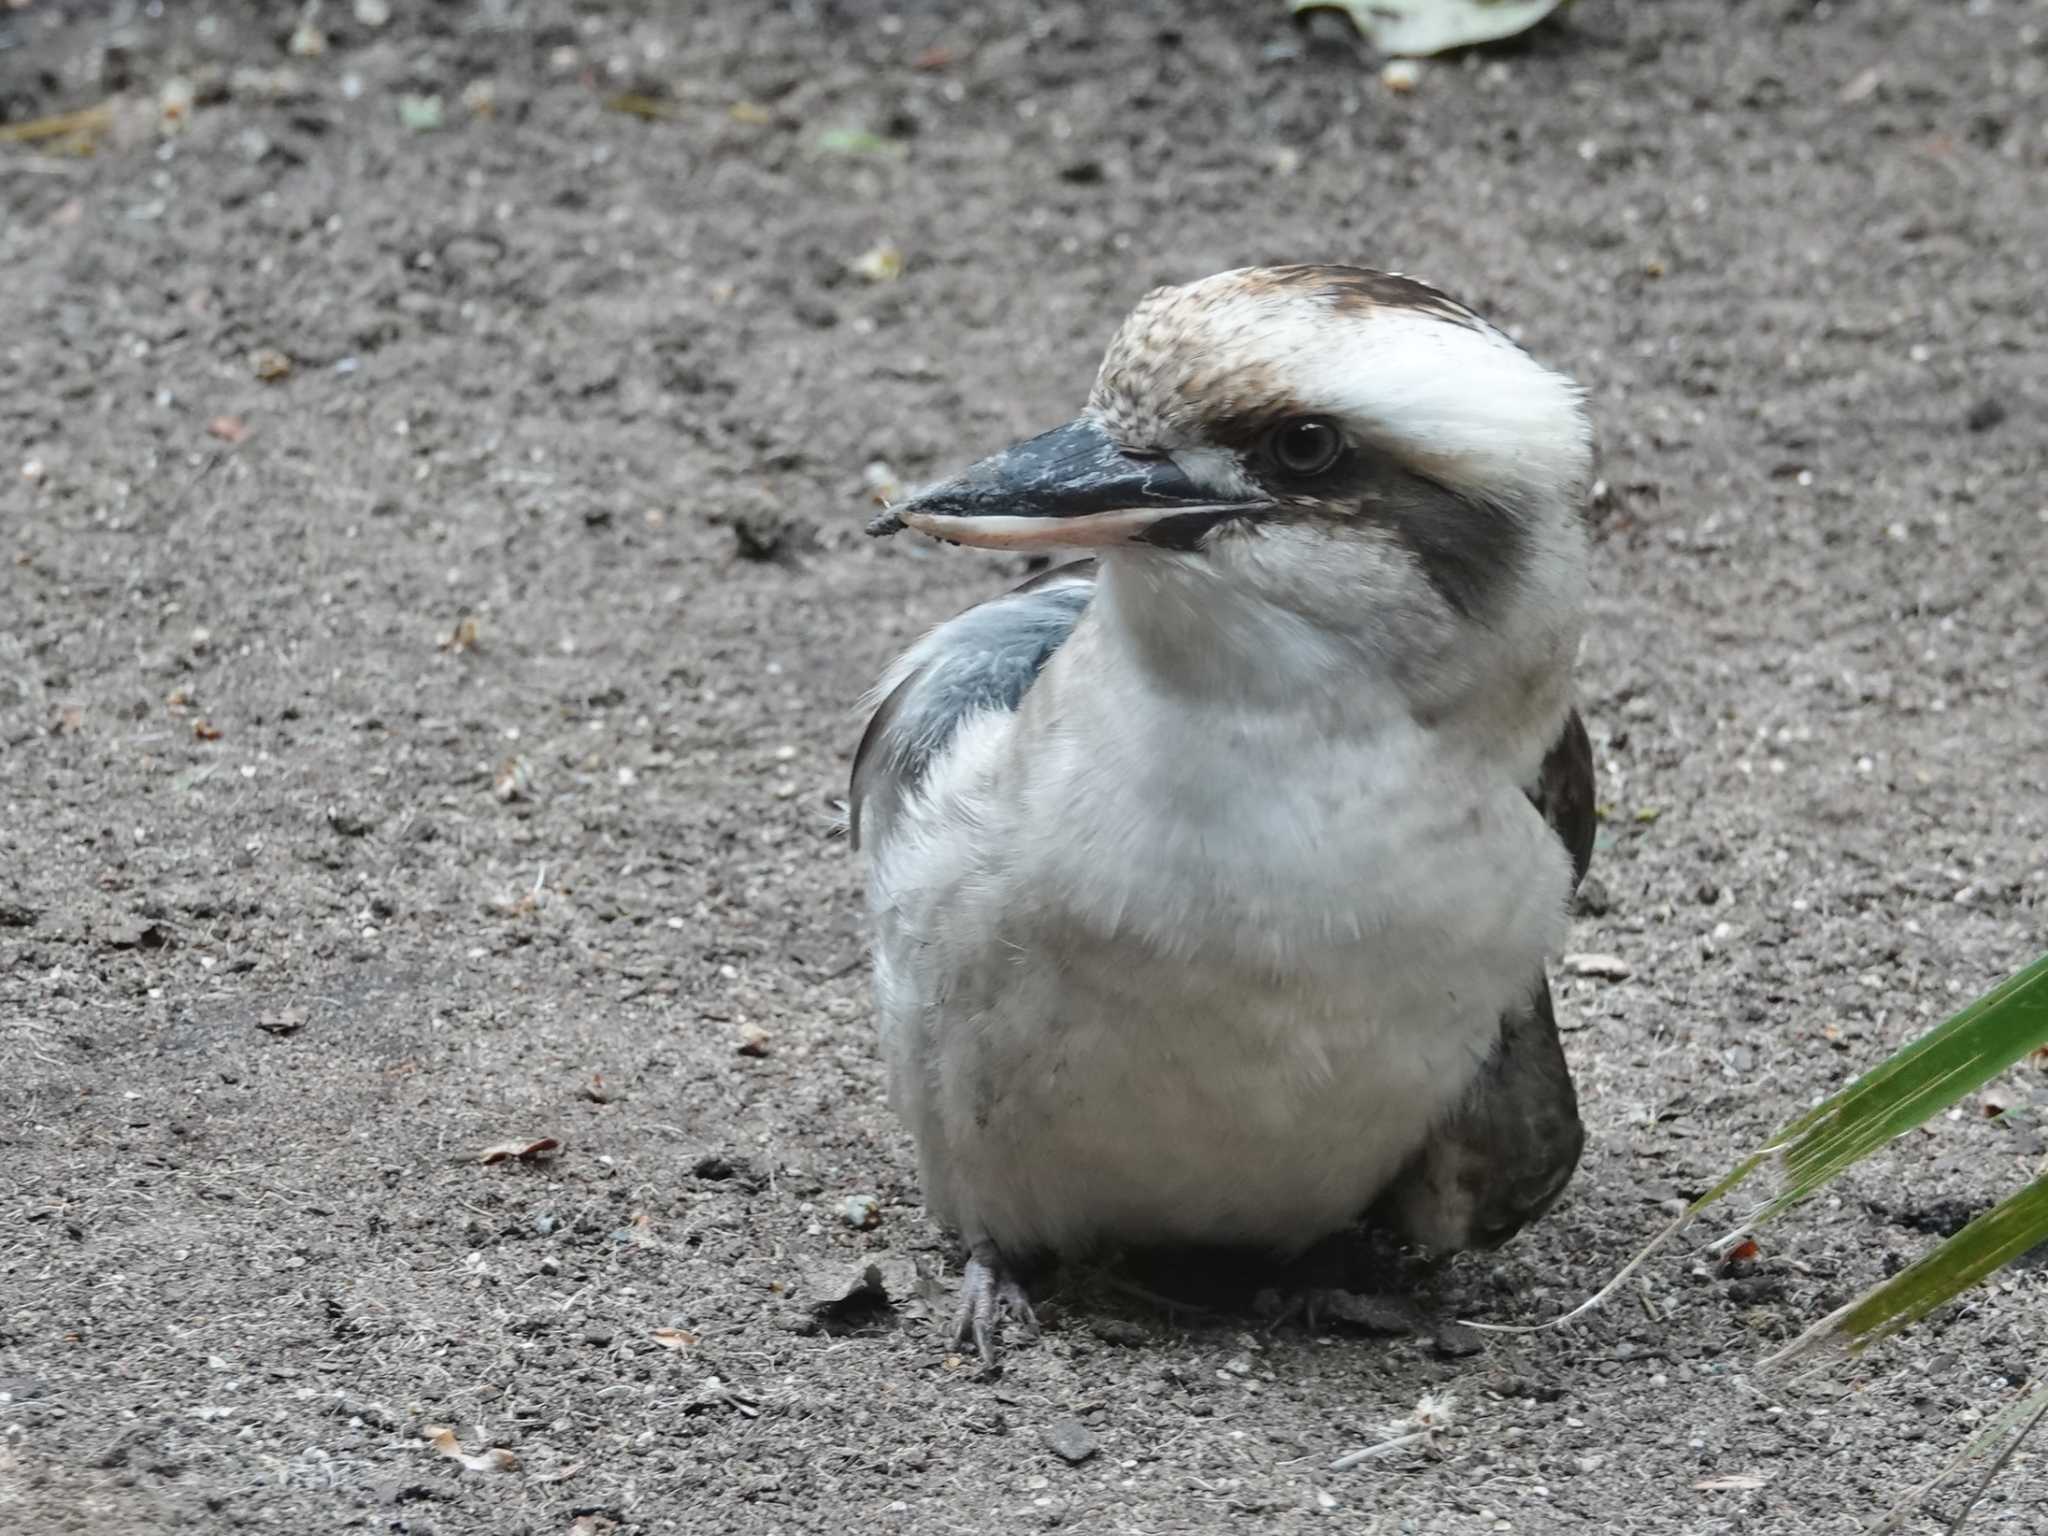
430	734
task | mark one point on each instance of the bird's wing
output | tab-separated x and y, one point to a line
985	659
1564	794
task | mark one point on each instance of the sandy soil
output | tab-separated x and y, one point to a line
439	743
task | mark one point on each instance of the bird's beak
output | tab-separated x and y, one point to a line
1070	488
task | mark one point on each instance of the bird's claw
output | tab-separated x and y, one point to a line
989	1292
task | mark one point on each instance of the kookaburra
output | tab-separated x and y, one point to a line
1212	879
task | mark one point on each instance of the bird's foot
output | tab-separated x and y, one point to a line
990	1292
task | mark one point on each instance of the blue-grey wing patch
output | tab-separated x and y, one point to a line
985	659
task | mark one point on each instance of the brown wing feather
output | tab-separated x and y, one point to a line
1564	794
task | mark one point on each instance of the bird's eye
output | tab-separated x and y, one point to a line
1306	445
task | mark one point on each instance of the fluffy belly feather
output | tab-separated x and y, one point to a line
1218	1034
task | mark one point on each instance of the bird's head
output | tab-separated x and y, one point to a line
1353	448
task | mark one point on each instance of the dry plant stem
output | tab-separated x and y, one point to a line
1991	1472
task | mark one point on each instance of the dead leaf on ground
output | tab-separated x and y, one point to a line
883	264
514	780
286	1022
421	114
493	1459
1601	967
638	1231
649	108
175	103
857	141
526	1151
674	1338
269	364
229	429
69	133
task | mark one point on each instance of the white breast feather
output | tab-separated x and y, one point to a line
1123	1004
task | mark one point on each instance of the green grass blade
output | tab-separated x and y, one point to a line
1955	1058
2022	1415
1950	1061
2012	1227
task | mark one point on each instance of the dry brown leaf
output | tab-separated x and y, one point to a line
493	1459
651	108
883	264
270	365
514	780
77	131
229	429
674	1338
526	1151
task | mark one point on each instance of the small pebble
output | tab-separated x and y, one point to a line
1070	1440
1456	1341
1401	76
